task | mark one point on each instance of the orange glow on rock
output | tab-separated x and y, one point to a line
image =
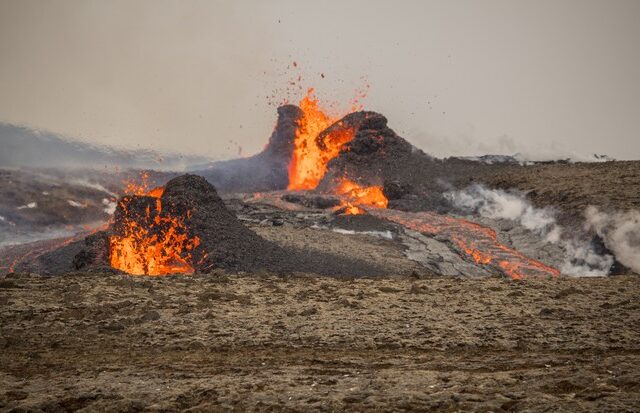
480	243
155	244
156	192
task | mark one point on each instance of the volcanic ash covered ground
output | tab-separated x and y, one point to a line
96	342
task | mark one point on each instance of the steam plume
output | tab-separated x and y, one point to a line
620	232
581	258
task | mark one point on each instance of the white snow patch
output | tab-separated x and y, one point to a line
381	234
30	205
75	204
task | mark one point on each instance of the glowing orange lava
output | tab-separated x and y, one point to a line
156	192
156	244
478	242
311	156
141	186
360	195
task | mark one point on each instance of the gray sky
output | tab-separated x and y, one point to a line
453	77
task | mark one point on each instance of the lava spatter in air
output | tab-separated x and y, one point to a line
310	156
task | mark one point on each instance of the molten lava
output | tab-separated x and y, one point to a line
156	192
478	242
358	195
156	243
141	186
310	155
137	187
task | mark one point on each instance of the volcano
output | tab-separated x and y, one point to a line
265	171
315	170
184	228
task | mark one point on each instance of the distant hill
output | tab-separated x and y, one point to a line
22	146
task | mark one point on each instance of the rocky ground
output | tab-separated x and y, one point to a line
38	204
570	188
225	341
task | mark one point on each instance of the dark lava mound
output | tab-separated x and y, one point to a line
266	171
412	179
223	241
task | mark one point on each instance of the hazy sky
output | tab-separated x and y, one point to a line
453	77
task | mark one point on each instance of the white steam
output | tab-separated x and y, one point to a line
93	185
109	205
583	260
580	257
498	204
620	232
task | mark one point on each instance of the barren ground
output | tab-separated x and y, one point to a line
224	341
570	188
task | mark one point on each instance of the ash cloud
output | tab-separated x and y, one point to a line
582	258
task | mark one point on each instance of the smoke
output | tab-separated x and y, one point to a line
93	185
581	258
503	149
25	147
620	232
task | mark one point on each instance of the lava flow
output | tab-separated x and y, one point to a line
152	243
478	242
310	155
357	195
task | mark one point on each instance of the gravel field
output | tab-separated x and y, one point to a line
226	341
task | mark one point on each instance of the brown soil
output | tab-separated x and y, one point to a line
222	341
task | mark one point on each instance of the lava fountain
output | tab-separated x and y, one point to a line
312	154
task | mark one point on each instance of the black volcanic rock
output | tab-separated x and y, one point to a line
374	155
411	179
266	171
224	241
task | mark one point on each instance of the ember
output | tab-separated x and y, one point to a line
141	186
137	186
